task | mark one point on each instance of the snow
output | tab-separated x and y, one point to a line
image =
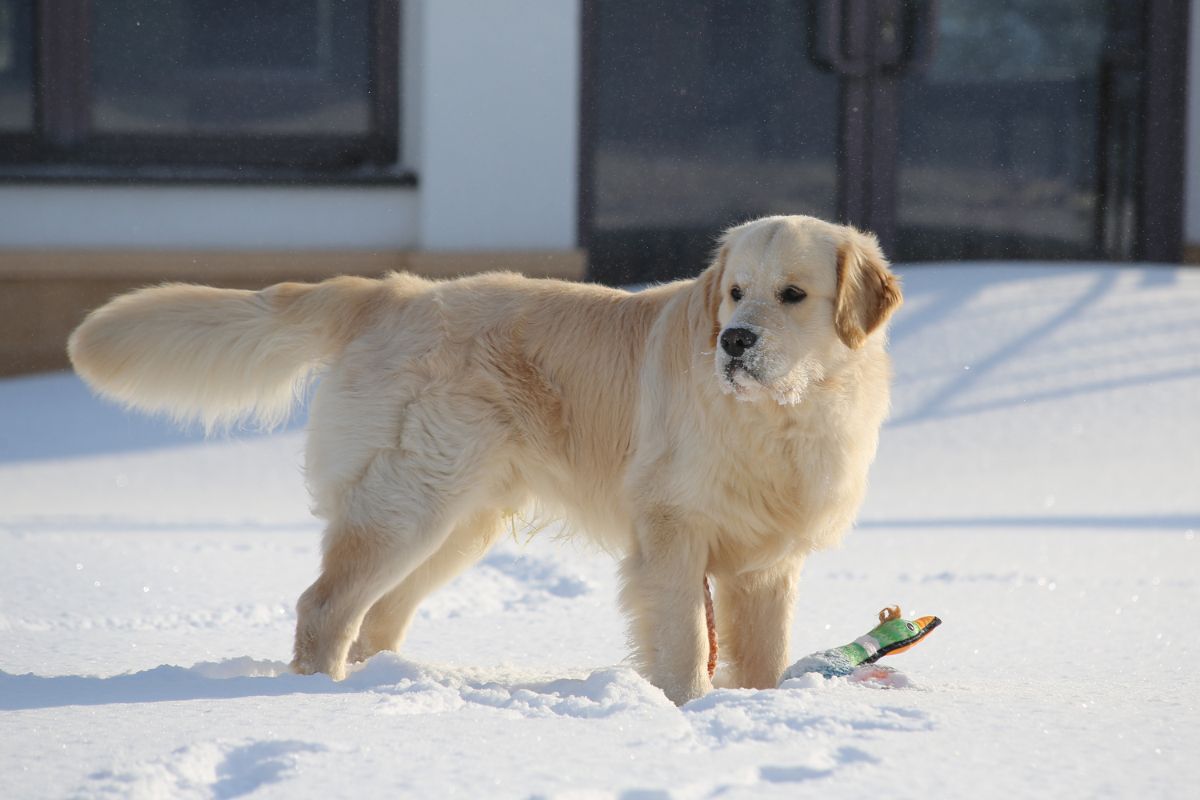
1038	488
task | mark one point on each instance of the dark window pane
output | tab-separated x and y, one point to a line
231	67
16	65
706	113
1013	140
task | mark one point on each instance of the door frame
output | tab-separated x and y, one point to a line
1160	175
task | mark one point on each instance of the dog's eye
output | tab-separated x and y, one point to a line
736	293
792	294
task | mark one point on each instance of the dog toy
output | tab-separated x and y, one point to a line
893	634
710	619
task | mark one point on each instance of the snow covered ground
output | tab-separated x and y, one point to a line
1038	488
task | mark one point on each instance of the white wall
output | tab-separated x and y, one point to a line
206	217
1191	227
499	124
489	123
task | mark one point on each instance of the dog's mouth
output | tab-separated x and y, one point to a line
739	379
745	381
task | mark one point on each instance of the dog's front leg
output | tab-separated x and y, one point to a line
663	596
754	615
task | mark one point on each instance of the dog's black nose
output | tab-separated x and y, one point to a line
736	341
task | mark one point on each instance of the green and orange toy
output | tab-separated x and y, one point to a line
893	634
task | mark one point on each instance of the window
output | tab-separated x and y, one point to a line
189	88
16	67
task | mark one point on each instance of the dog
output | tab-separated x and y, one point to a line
720	427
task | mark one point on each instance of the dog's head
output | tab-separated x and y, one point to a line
788	299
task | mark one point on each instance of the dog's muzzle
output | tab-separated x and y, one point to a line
738	373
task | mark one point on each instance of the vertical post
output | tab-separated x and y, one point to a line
1160	178
854	38
585	211
874	33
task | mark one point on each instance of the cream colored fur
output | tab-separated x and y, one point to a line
445	405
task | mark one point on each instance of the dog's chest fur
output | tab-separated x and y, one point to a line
765	487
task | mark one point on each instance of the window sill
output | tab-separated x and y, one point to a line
199	175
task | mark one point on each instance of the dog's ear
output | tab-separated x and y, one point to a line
867	291
710	287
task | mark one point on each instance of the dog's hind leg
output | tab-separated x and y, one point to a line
387	622
359	564
395	517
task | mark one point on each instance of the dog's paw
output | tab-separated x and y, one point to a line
301	667
304	667
683	692
310	659
362	650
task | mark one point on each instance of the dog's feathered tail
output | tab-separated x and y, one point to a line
220	355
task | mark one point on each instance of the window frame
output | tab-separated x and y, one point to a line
61	147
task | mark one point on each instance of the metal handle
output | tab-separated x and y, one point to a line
828	45
919	39
885	37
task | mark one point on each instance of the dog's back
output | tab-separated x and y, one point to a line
558	363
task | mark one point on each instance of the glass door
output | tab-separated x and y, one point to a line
1021	138
698	114
953	129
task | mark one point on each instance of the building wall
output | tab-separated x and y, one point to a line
206	217
489	123
499	118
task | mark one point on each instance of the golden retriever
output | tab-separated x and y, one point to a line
719	426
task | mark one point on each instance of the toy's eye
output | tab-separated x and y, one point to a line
736	293
792	294
912	627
